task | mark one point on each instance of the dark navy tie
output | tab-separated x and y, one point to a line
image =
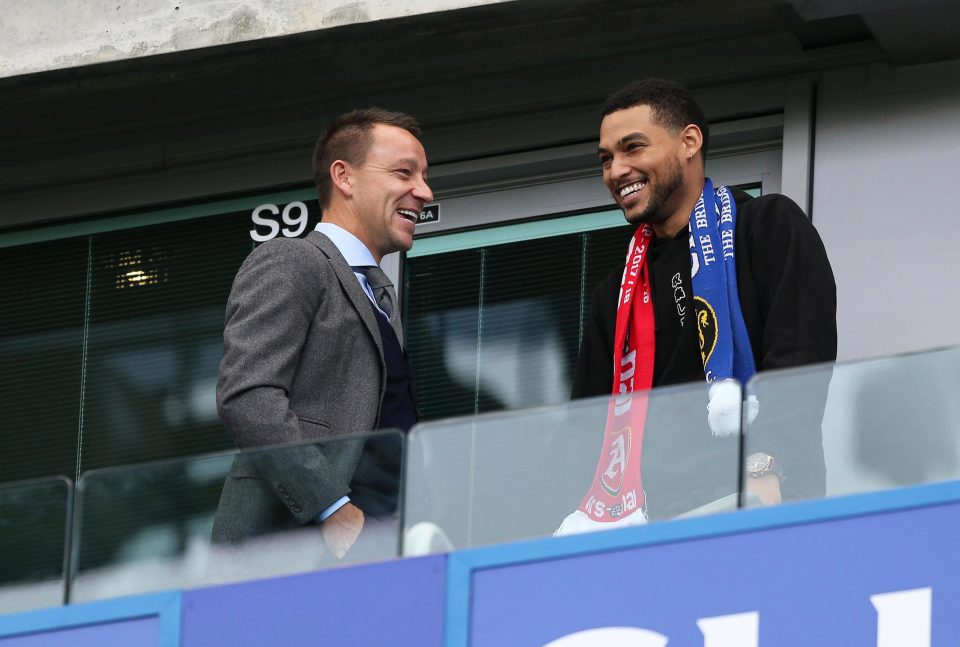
385	296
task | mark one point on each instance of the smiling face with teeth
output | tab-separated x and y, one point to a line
654	174
385	194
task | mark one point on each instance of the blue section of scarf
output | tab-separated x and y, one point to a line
724	343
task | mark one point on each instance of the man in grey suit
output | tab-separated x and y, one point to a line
313	345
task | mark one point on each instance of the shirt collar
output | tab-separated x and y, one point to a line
354	252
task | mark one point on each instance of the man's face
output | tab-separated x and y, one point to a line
390	189
642	165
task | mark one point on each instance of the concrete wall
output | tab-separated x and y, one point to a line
46	35
887	151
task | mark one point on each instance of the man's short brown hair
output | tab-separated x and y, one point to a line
348	138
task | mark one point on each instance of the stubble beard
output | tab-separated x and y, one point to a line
660	193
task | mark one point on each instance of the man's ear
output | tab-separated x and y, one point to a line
691	139
341	175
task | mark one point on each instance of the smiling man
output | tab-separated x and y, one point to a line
313	346
716	285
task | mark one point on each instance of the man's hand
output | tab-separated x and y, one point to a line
341	529
766	487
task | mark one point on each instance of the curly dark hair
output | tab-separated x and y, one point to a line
671	105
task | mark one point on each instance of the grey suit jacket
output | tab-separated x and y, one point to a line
303	360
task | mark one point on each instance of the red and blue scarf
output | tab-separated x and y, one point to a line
617	489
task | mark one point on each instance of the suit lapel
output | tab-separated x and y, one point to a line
350	284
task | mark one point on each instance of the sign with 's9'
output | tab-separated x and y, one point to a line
294	217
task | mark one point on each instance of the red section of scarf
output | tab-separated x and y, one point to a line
617	488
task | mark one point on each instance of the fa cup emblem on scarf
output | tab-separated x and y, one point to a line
706	327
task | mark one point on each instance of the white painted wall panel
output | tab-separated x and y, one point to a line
885	200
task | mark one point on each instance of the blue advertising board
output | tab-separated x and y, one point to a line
145	620
879	570
399	602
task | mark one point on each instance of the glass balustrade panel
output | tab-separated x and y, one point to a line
34	518
233	516
523	474
859	426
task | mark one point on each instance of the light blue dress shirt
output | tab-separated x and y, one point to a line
357	256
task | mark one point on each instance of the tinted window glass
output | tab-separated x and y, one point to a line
499	326
41	353
156	339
